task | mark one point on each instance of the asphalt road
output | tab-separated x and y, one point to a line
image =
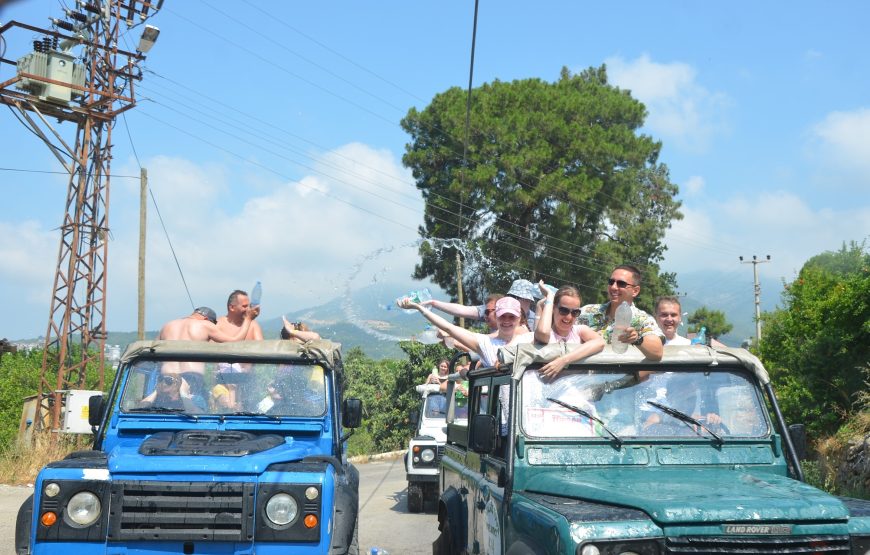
384	518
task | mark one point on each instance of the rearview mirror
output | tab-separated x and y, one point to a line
351	413
483	428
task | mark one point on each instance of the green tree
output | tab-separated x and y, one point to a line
386	388
713	320
816	346
559	185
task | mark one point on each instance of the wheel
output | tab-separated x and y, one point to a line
22	527
444	544
415	497
353	548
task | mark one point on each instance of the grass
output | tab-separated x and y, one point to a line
21	462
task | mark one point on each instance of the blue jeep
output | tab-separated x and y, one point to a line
207	448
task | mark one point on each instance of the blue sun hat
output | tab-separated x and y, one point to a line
524	289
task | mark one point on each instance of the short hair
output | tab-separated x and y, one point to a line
231	300
635	273
668	299
493	297
567	291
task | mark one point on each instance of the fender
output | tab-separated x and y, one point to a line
451	509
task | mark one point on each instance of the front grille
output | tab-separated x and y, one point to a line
182	511
439	453
778	545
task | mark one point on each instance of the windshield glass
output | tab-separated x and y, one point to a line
725	402
222	388
436	406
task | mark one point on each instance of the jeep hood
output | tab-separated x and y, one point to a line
673	496
127	458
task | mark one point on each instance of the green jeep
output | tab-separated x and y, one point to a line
620	455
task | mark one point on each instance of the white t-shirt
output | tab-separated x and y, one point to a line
677	340
489	348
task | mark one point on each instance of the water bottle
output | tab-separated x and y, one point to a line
256	294
379	551
416	297
621	322
701	337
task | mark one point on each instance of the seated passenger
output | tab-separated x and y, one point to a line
558	323
682	392
169	394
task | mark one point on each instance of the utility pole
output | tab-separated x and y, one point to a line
143	211
755	262
77	73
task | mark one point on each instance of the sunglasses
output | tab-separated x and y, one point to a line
168	380
619	283
564	311
488	311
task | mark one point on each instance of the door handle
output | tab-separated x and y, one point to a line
463	490
481	506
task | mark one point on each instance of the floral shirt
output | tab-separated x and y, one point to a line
595	316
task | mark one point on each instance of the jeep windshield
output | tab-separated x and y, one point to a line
224	388
715	405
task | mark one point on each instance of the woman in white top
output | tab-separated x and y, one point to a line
558	322
507	314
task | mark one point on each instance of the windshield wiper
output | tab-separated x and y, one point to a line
679	415
166	410
590	416
251	413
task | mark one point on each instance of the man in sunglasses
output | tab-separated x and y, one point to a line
644	333
168	394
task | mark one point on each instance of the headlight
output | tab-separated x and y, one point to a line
427	455
620	547
83	508
282	509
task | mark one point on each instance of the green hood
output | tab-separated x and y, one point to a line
692	495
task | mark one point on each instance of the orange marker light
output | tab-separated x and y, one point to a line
416	449
48	518
310	521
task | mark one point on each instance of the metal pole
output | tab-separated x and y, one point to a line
143	210
755	262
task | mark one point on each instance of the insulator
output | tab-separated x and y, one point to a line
37	46
66	25
46	44
93	8
54	43
76	16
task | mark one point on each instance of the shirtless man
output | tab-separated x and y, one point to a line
201	325
238	305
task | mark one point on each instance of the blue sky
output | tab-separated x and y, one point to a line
272	143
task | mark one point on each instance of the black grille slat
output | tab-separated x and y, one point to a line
774	545
181	511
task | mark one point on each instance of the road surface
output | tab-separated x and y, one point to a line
384	518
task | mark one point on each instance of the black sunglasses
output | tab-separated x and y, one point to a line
564	311
168	380
619	283
488	311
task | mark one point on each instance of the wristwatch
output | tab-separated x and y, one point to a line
638	341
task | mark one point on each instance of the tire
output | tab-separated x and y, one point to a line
415	497
353	549
444	544
22	527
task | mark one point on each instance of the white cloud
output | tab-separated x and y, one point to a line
680	109
302	243
694	185
841	142
714	234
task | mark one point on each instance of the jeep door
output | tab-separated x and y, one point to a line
488	495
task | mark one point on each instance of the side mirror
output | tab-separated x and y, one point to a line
483	429
95	410
798	434
414	419
351	413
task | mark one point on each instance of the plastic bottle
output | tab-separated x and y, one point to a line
256	294
701	337
621	322
379	551
416	297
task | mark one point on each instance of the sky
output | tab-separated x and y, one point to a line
270	134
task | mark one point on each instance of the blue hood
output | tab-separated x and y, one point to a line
691	495
125	458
